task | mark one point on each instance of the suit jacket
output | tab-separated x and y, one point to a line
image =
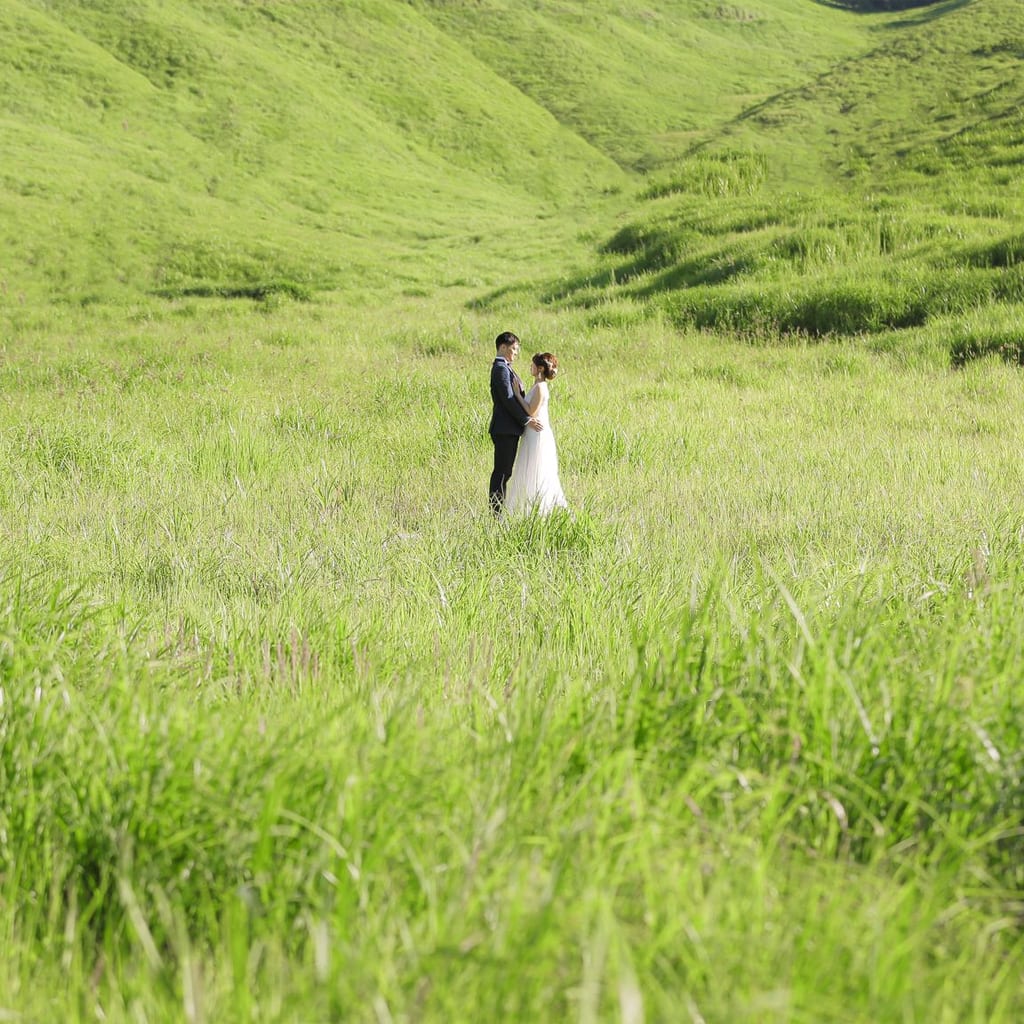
508	417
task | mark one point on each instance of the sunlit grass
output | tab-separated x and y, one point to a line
293	730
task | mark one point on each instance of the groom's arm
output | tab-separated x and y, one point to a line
504	395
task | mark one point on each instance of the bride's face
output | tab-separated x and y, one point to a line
535	371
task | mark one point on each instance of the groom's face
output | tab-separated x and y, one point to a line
511	351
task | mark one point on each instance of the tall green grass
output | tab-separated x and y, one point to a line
292	730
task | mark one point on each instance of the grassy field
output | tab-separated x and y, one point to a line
291	730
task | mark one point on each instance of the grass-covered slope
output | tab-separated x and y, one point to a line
643	82
178	145
778	167
883	196
243	147
787	167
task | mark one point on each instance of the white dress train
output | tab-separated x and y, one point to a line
534	485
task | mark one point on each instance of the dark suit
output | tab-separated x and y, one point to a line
508	421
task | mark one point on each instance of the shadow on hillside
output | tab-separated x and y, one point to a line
260	291
933	12
506	295
924	10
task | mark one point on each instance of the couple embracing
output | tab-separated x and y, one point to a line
525	476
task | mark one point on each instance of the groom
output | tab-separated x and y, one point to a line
509	419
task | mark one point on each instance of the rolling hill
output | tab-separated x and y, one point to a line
181	146
736	165
879	198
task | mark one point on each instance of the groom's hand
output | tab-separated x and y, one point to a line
535	423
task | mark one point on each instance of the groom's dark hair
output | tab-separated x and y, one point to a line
505	338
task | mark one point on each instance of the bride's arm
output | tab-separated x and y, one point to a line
534	404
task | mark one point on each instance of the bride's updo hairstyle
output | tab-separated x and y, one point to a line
548	364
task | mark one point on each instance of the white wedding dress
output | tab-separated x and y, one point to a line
534	485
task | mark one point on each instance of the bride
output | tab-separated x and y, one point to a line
534	485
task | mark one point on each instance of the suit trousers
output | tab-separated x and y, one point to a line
505	448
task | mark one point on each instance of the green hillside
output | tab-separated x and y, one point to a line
188	145
791	166
643	83
882	196
242	147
